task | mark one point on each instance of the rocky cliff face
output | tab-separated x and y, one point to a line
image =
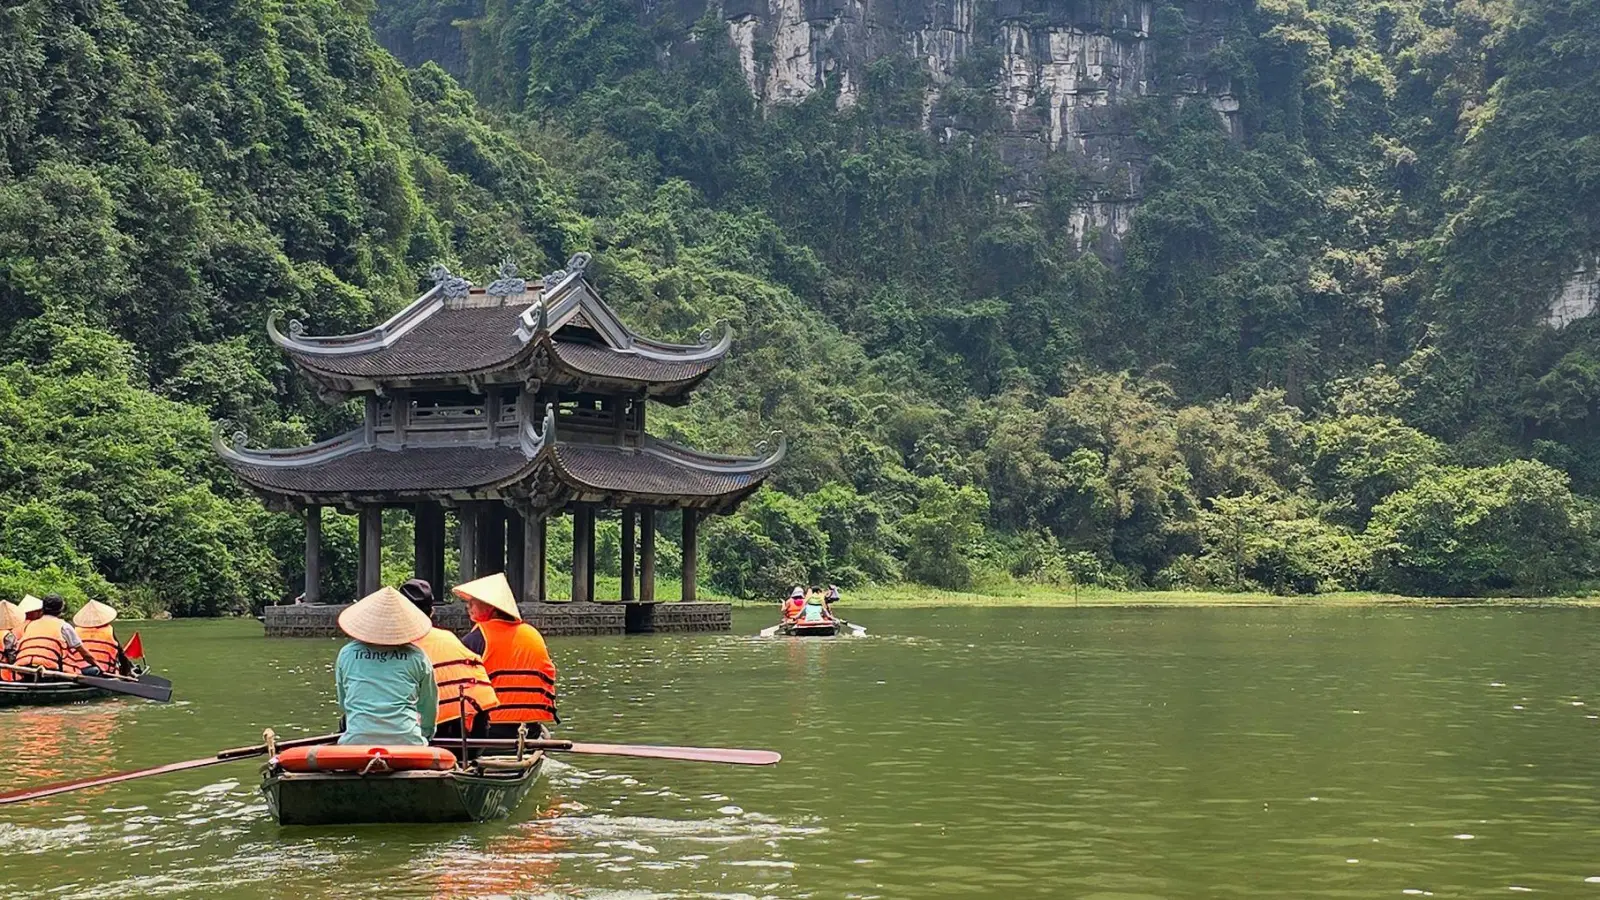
1066	71
1063	72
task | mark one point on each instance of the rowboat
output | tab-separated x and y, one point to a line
476	790
46	693
824	628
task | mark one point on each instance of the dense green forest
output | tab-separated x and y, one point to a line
1319	362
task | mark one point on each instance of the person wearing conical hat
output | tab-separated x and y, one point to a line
458	672
93	623
514	653
383	680
795	604
11	622
47	642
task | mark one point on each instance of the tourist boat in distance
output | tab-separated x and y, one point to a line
52	692
474	790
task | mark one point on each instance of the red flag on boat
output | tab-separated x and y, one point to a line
135	647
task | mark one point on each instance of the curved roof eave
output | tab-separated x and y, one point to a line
376	338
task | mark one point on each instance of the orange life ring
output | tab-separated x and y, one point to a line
364	758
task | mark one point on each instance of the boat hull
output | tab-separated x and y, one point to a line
46	693
346	798
810	629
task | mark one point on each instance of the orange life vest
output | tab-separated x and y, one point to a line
41	644
102	646
458	671
792	608
520	669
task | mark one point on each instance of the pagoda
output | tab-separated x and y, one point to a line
502	405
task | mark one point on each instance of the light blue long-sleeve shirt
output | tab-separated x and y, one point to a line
387	694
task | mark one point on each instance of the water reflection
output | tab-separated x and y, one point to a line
520	863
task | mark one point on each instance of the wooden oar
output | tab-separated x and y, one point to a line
50	790
646	751
859	631
769	632
159	692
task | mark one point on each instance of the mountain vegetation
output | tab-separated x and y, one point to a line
1319	362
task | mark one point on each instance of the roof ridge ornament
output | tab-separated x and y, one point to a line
575	266
508	284
708	333
452	286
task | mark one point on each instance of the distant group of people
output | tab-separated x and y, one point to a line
34	635
401	680
812	606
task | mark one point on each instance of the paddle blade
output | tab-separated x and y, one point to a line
682	754
135	648
161	693
769	632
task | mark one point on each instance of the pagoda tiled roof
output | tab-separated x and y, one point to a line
527	465
511	331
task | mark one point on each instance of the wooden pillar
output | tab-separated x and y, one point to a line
581	552
691	552
593	550
428	545
532	551
369	573
516	560
647	555
313	592
491	538
627	555
467	520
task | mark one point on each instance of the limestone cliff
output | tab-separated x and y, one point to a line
1062	72
1066	72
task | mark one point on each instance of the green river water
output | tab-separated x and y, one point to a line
952	753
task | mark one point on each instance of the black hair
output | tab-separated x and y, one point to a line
53	604
420	593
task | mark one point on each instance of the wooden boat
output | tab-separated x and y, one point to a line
46	693
489	787
825	628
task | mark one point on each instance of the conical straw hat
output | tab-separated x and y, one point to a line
94	614
10	616
29	604
385	618
494	590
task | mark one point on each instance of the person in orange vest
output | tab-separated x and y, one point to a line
795	604
11	622
48	642
456	670
514	653
93	623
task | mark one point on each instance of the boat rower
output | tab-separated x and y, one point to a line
93	623
457	671
48	642
383	679
514	653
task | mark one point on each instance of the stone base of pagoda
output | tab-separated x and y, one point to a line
552	619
